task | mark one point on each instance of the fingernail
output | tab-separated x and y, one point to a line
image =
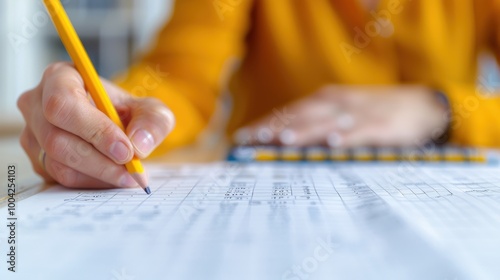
288	137
119	151
242	136
143	141
127	181
264	135
334	140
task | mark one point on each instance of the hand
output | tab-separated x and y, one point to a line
84	148
347	116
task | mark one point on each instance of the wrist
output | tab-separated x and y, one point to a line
444	103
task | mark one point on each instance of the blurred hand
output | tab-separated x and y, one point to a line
84	148
352	116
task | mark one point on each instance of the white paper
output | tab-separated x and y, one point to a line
269	221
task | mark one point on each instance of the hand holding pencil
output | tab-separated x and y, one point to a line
71	141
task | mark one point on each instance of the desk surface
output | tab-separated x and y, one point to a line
12	153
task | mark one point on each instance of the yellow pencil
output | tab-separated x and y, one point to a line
80	58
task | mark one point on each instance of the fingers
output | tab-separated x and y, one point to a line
308	129
68	151
65	105
147	120
151	122
364	136
32	149
312	110
267	130
72	178
83	147
57	171
331	108
318	131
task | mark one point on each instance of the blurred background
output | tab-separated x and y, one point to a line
113	31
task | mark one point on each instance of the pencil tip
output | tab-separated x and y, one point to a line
142	181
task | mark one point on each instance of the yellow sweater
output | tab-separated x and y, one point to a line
287	49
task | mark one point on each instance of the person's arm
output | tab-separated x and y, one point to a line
186	67
475	109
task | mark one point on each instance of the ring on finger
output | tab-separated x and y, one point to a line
41	159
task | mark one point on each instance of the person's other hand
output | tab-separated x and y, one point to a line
354	116
83	147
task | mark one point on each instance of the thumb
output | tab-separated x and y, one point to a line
150	122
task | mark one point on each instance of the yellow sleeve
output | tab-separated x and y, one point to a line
189	61
475	115
475	108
